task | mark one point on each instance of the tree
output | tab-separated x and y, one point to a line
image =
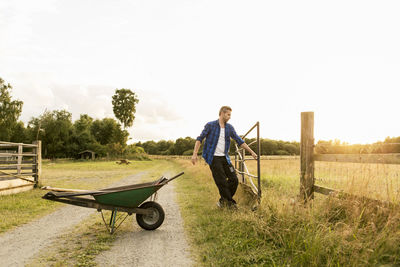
9	111
56	135
83	124
108	131
20	134
82	138
184	144
124	106
150	147
165	147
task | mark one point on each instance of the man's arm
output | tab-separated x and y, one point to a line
195	151
245	146
199	139
242	144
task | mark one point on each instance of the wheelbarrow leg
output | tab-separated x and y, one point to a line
112	221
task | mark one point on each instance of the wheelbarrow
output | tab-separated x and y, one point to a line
130	199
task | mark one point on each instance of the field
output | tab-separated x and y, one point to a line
377	181
283	232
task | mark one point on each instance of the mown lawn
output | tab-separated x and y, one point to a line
282	231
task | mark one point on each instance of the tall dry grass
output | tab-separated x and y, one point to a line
282	231
377	181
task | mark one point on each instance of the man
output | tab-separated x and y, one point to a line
218	136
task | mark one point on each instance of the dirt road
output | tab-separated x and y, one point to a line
20	245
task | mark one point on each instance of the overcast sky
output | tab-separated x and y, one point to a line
268	60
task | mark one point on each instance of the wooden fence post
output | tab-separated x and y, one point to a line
38	162
19	162
306	156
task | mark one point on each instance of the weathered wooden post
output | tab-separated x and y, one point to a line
19	162
37	167
306	156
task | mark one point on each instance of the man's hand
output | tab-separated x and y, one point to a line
245	146
195	151
194	159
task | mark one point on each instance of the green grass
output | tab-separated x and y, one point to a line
283	232
21	208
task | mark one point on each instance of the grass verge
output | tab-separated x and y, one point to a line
282	232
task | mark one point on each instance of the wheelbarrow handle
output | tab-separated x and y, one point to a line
176	176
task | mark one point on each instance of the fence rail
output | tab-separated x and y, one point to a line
9	144
6	155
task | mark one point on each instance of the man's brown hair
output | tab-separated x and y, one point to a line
224	109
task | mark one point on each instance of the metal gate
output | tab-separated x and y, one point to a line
246	177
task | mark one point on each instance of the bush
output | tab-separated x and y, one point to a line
138	156
188	152
282	153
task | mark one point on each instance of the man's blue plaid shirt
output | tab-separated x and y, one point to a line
211	133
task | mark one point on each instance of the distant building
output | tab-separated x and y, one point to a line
87	154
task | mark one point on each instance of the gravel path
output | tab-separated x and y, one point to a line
165	246
20	245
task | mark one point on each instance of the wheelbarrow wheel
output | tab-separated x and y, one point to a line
153	220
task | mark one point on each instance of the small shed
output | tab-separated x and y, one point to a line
87	154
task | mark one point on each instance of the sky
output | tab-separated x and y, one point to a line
268	60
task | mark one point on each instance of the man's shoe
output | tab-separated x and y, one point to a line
221	203
233	206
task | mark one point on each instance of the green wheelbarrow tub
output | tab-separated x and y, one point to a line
128	196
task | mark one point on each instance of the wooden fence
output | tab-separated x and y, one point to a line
308	158
20	166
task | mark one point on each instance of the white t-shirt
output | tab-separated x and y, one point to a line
220	150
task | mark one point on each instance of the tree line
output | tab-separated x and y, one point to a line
389	145
63	138
184	146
